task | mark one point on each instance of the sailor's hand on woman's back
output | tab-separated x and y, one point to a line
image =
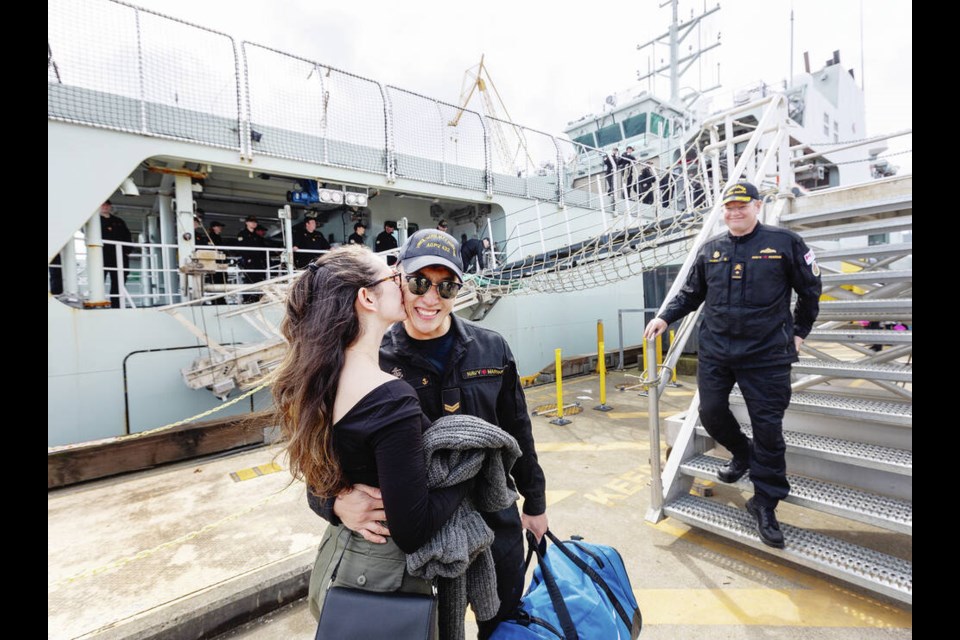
360	509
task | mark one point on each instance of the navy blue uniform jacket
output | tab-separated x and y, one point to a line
746	283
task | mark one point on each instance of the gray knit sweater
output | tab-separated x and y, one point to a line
460	447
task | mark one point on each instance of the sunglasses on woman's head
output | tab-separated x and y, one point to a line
419	285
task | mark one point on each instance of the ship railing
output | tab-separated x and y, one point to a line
120	67
143	282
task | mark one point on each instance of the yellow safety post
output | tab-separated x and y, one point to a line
646	365
602	369
560	420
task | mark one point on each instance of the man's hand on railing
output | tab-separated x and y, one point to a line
654	328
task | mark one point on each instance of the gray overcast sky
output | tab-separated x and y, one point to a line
552	65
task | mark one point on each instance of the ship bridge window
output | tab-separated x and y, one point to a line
635	125
659	125
587	140
609	134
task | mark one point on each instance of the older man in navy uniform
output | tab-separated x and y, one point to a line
748	336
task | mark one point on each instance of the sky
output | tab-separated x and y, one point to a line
553	63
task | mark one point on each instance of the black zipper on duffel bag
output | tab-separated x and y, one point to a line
524	618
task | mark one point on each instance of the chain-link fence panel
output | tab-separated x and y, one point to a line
113	65
303	110
464	147
191	93
93	69
285	104
524	161
578	164
356	122
428	147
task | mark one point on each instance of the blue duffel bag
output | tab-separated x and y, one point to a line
579	591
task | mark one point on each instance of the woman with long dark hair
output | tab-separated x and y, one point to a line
347	422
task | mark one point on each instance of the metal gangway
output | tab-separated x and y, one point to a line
848	429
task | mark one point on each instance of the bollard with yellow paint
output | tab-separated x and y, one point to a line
602	369
559	420
648	371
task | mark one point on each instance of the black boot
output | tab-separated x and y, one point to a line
733	470
767	525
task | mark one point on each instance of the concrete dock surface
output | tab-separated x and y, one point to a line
193	549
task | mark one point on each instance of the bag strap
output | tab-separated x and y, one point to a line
345	534
556	598
596	577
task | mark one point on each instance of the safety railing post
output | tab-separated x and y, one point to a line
656	483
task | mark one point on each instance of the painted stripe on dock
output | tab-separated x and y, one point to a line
255	472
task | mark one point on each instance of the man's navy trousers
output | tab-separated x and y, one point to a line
766	392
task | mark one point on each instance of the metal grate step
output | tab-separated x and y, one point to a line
854	408
849	210
864	336
867	304
831	232
827	497
886	371
875	251
876	276
894	309
878	572
860	454
881	315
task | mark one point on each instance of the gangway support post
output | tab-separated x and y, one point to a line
651	381
673	372
97	296
602	369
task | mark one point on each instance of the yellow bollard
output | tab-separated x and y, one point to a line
645	373
560	420
602	369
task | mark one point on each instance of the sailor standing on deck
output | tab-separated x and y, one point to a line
308	238
114	228
253	262
627	163
356	237
748	337
386	241
610	163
